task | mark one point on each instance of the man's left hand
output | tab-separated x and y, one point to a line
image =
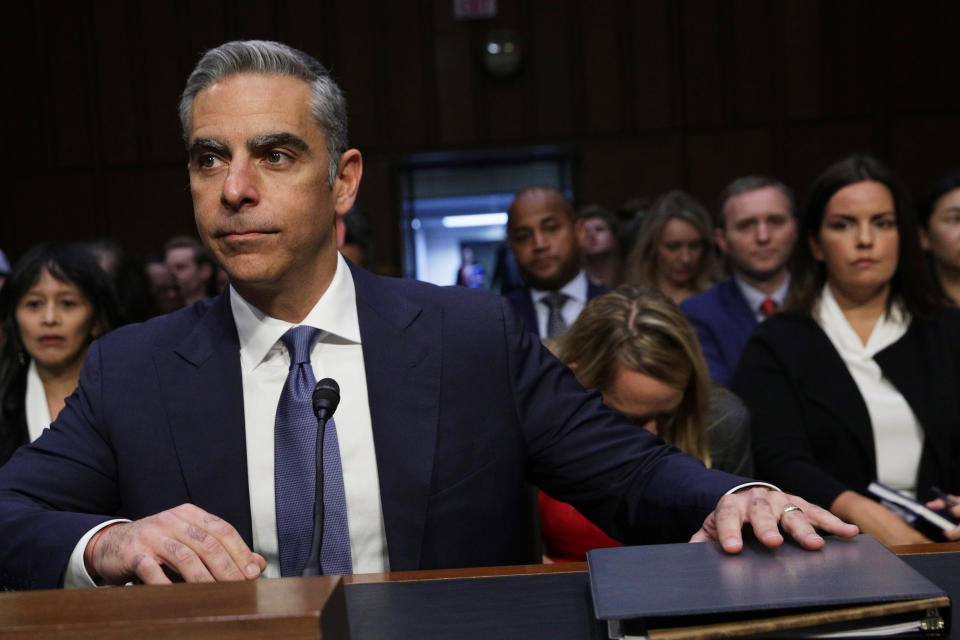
767	511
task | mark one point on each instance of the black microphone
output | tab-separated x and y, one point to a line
326	397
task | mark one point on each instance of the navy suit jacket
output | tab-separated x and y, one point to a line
522	302
465	407
723	322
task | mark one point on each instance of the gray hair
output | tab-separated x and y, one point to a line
328	107
750	183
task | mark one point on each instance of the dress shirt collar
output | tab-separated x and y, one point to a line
36	408
890	327
755	297
335	313
576	289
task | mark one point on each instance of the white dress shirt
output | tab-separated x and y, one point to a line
897	435
337	354
576	292
35	403
755	297
264	363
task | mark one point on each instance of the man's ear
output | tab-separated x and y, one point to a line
348	180
206	271
815	247
719	238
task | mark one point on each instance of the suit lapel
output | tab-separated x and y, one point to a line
401	357
524	299
202	391
832	387
738	307
906	363
594	289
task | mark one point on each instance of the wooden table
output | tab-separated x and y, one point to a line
531	601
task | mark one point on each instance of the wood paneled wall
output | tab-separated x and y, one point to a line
650	94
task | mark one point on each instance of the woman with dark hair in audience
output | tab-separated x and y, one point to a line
55	302
638	350
939	210
673	249
856	380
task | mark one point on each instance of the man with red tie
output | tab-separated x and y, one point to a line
756	230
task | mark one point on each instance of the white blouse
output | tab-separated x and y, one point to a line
35	403
897	435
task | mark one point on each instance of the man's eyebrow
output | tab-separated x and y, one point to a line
282	139
207	145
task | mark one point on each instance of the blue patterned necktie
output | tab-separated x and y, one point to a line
295	437
556	325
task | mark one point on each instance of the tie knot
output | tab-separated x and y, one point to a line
555	300
768	306
299	341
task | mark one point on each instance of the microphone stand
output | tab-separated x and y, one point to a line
326	397
313	567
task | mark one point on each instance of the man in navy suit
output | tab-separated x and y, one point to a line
756	231
447	406
545	241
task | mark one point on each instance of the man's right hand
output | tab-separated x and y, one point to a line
195	544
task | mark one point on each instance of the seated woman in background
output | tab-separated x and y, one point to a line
55	302
939	209
673	249
637	349
856	379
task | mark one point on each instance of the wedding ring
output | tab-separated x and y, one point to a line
790	507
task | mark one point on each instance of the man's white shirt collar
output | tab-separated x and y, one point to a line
335	313
755	297
576	289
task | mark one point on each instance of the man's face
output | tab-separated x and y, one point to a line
598	237
759	233
164	287
258	175
543	238
183	265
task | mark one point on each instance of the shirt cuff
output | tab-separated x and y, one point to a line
76	576
750	485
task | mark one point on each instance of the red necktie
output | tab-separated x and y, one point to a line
768	306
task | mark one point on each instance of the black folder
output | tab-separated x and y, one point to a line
678	591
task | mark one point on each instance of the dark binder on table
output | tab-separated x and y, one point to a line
678	591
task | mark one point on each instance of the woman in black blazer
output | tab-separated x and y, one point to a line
864	356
